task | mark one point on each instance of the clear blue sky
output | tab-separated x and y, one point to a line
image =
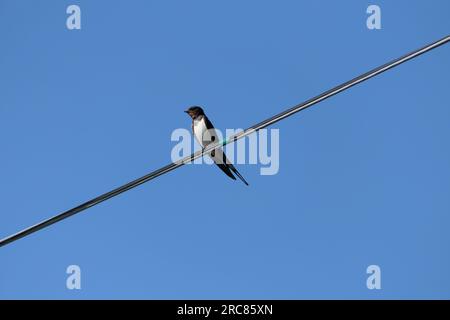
364	177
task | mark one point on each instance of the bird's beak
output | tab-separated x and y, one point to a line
186	111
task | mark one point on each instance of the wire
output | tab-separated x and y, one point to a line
259	126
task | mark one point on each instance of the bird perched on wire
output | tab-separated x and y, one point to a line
205	134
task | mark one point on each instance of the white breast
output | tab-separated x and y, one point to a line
199	130
201	133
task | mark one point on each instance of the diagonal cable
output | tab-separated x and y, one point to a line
255	128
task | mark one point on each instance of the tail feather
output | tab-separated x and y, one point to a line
238	174
226	169
225	165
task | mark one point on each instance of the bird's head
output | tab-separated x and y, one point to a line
194	112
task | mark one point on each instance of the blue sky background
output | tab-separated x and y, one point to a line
364	177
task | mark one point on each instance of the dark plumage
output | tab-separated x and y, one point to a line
205	134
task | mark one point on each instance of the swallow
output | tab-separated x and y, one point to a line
205	134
